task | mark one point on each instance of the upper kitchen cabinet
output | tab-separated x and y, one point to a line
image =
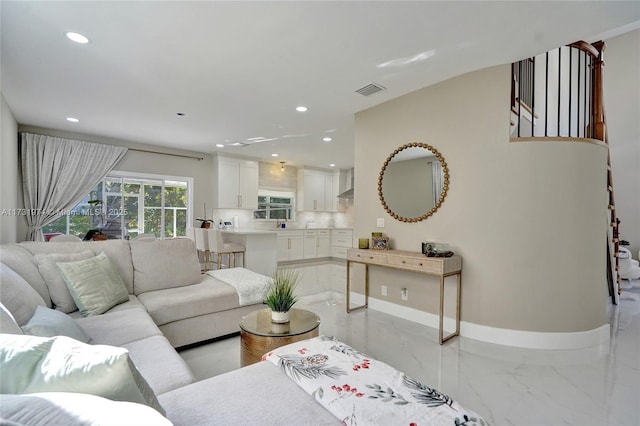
236	185
317	190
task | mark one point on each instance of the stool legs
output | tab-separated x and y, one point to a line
232	260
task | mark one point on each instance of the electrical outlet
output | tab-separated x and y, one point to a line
380	222
383	290
404	294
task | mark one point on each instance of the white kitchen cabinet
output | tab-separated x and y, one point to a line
236	185
341	240
290	245
318	190
323	246
317	244
310	244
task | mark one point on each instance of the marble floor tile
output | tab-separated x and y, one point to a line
506	385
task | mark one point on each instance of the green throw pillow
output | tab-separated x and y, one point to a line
94	284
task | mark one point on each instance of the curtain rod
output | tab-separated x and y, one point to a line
167	153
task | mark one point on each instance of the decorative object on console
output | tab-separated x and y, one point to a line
431	249
363	243
280	297
380	243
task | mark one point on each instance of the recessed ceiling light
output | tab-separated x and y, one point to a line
332	165
77	37
274	155
301	108
72	119
219	145
327	139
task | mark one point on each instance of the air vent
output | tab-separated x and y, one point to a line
370	89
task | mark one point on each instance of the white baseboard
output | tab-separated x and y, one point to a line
501	336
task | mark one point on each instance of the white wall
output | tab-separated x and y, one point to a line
622	103
527	218
10	181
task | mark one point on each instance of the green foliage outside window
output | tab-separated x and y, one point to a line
123	200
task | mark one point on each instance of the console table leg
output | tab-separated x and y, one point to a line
366	288
458	291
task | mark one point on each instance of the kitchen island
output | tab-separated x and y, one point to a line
260	248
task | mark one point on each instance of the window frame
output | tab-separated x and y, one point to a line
275	194
143	178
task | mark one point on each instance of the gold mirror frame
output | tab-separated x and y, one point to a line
445	183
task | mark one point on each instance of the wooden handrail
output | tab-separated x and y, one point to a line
599	127
586	47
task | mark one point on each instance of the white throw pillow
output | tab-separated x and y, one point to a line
60	364
94	284
71	409
49	322
58	290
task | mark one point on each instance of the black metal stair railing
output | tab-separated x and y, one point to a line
552	94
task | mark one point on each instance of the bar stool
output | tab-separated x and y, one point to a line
202	245
217	245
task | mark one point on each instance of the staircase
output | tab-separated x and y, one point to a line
600	132
613	238
578	67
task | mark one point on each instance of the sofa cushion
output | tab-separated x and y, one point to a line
58	290
94	284
49	322
61	364
21	261
217	398
174	304
17	295
159	363
75	409
117	327
161	264
120	255
8	324
117	250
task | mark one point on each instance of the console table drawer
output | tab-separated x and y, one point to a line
368	257
424	264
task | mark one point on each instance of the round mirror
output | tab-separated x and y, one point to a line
413	182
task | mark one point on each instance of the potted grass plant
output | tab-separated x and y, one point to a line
280	297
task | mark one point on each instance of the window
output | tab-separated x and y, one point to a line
274	205
126	204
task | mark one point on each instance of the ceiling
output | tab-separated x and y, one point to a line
237	70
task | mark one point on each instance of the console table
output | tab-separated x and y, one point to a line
408	261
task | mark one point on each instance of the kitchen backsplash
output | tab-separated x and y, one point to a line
322	220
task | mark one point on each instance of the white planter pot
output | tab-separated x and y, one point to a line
279	317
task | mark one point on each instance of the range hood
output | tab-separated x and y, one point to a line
348	194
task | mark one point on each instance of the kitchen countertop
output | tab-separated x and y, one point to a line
312	229
247	231
266	231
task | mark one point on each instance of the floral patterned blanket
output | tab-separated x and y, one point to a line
359	390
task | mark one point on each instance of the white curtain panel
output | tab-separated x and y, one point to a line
436	168
58	173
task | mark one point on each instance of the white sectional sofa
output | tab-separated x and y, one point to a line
170	304
118	366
